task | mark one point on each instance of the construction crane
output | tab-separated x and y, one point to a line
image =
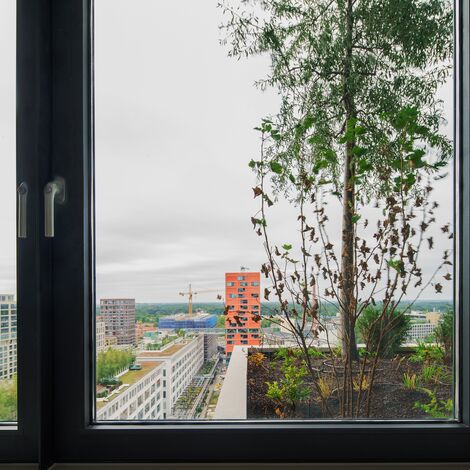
190	293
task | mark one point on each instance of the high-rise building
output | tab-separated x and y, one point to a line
100	334
243	318
8	359
119	319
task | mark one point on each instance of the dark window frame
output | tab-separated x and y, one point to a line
27	439
55	81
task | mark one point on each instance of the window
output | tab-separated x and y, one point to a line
66	141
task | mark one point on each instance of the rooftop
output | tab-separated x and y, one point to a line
128	379
173	349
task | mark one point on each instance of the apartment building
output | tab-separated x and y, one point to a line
119	319
180	363
139	397
100	334
421	331
8	348
243	319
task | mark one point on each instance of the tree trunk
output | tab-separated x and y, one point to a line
347	296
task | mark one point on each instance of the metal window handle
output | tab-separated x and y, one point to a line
22	191
54	191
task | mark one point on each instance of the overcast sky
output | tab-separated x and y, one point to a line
174	134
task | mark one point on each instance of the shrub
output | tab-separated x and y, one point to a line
428	353
383	332
435	408
444	333
290	390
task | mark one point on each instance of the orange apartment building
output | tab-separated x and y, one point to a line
243	318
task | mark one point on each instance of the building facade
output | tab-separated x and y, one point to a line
8	344
188	321
180	362
100	334
119	319
421	331
243	316
139	397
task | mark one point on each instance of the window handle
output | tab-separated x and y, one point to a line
22	191
54	191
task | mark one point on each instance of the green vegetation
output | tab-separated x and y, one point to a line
110	362
428	354
383	332
410	381
157	346
291	389
8	400
444	333
435	408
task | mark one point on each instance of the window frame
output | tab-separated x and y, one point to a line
78	439
28	439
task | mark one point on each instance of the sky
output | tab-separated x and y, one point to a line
174	119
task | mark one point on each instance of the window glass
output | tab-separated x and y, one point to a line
311	142
8	312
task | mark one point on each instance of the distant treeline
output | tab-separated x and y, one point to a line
151	312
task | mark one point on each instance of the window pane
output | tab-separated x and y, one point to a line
7	218
323	160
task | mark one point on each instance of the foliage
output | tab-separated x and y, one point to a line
359	124
8	399
410	381
257	359
444	333
361	383
436	408
110	362
428	353
325	388
291	389
432	373
383	331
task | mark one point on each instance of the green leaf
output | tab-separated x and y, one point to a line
276	167
355	218
287	247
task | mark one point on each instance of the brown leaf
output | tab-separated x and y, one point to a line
257	191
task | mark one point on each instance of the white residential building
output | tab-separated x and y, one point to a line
100	334
138	398
180	361
421	331
151	391
8	349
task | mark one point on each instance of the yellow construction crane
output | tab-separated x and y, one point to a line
191	293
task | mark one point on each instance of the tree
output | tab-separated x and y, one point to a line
358	114
394	325
112	361
8	400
